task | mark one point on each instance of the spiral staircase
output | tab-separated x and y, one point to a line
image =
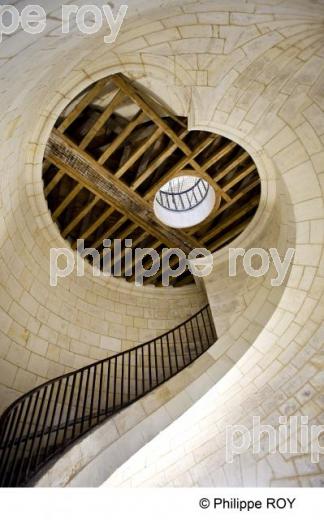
41	424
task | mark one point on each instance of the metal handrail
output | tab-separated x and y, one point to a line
183	200
41	424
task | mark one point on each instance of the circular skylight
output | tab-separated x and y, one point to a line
184	201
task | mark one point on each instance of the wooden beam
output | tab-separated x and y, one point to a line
135	243
158	106
129	90
93	130
79	217
241	212
229	236
240	177
157	162
92	228
174	262
73	193
179	166
121	255
231	165
109	232
83	168
83	103
139	118
224	207
51	185
155	246
219	155
139	152
102	119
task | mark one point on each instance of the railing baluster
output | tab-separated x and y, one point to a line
122	380
85	399
8	442
199	334
181	345
44	424
193	338
108	386
31	449
53	417
115	384
22	474
188	343
156	365
66	429
77	403
129	376
100	392
24	447
136	374
143	371
5	431
179	200
20	460
162	358
94	380
150	364
169	354
205	328
175	350
13	462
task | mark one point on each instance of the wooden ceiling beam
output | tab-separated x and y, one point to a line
229	236
158	106
139	118
108	234
75	221
135	243
157	162
154	245
129	90
231	165
224	207
225	150
83	168
63	205
179	166
93	227
139	152
174	261
102	119
51	185
93	130
82	104
122	236
241	212
249	169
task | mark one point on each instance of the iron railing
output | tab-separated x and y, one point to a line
42	423
178	199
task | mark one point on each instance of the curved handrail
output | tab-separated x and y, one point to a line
42	423
183	200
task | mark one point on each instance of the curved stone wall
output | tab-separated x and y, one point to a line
267	91
46	331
